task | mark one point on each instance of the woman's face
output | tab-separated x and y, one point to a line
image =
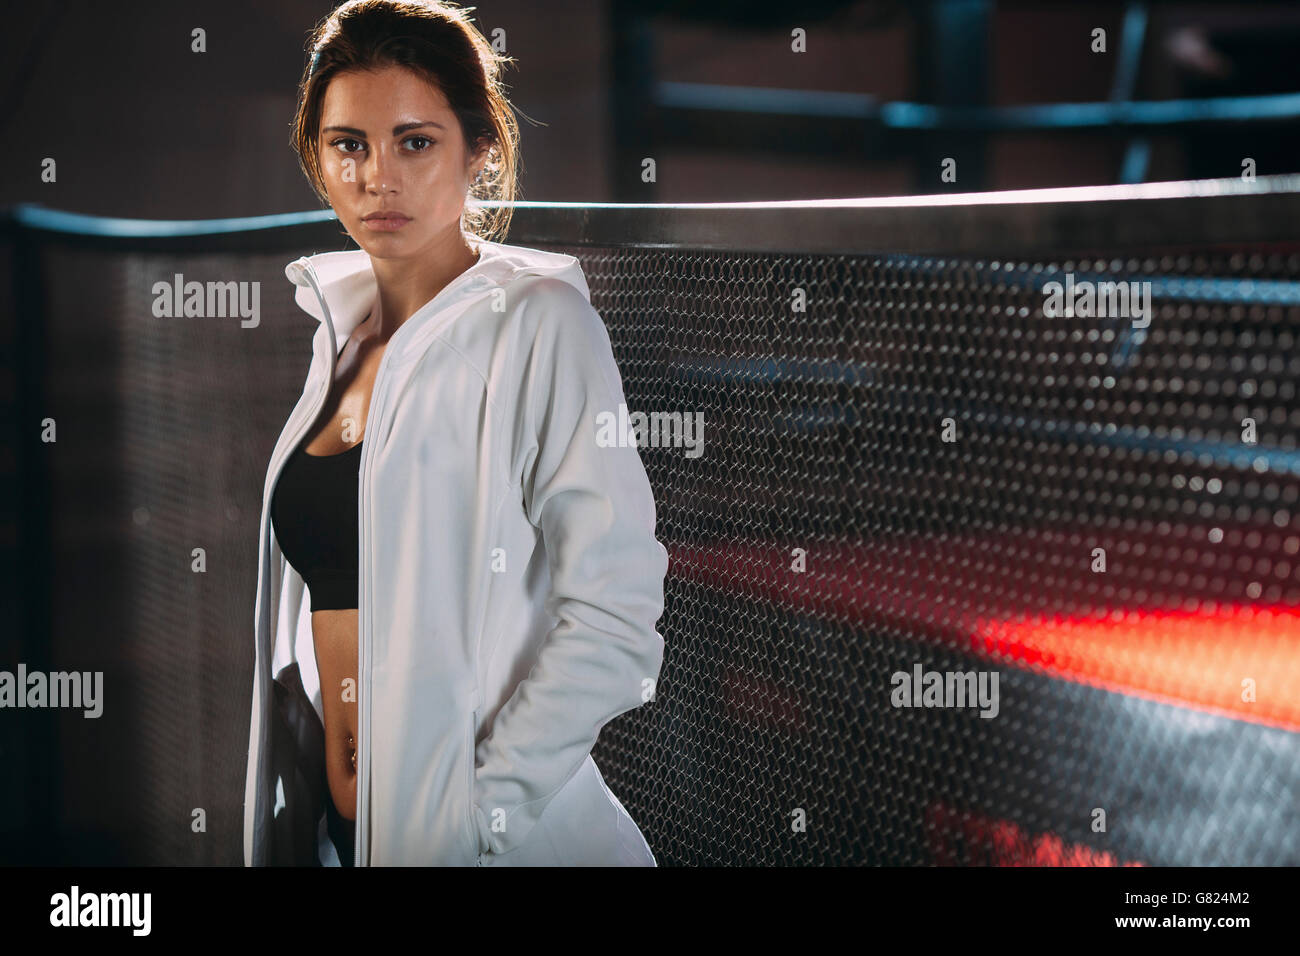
395	162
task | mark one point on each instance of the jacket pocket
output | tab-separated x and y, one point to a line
476	843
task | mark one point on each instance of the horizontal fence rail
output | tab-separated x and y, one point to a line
1020	222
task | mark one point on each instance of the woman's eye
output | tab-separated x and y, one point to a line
341	144
419	139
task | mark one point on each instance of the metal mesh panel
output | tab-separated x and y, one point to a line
165	429
945	458
1119	691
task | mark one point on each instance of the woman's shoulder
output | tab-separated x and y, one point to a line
538	276
549	294
551	312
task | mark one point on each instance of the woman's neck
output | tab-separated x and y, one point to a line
405	285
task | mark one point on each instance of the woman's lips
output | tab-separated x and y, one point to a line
385	222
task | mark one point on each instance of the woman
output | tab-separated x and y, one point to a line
457	586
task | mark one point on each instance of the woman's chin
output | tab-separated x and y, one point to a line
383	245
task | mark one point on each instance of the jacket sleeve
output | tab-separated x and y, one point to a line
594	507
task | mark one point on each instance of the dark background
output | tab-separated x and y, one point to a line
165	436
143	128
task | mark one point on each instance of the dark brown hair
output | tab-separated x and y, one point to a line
439	41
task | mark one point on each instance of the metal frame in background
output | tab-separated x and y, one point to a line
950	49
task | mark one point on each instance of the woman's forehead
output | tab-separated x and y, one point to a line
378	96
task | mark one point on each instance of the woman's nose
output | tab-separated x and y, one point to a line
380	178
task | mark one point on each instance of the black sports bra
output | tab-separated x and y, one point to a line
314	511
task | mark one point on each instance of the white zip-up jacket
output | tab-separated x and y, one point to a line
510	583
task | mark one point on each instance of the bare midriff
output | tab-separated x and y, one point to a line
334	631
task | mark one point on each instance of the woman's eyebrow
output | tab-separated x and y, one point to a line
397	130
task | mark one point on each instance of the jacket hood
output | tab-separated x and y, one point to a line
346	281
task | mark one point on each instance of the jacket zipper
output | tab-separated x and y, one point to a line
473	821
374	418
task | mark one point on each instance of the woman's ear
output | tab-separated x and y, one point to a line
479	160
